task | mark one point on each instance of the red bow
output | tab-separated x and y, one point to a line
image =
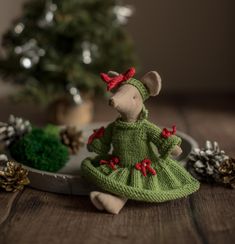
111	162
113	82
97	134
166	133
144	167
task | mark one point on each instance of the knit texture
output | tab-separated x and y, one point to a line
133	143
140	87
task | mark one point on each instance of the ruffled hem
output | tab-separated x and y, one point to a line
171	182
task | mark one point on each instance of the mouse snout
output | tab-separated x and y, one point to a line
112	102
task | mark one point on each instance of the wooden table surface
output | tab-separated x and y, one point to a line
207	216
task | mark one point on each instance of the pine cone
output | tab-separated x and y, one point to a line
14	129
204	163
13	176
72	138
227	171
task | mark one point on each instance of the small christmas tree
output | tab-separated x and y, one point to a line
58	47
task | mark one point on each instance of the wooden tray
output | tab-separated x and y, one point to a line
68	179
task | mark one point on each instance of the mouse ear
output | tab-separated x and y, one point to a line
153	82
113	73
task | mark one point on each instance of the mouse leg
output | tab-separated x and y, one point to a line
105	201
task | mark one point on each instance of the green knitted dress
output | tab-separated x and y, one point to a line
134	169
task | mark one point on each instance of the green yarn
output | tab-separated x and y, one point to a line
140	86
41	150
132	142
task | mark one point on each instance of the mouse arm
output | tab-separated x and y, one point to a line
166	146
100	141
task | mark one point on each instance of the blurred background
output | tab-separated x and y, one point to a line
190	43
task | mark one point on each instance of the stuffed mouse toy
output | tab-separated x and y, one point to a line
133	169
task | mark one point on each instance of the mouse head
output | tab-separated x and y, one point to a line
129	93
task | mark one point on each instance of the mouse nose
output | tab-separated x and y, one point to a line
112	102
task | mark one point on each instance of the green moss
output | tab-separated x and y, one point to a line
41	150
53	130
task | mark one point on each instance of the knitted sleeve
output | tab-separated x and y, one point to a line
100	141
164	145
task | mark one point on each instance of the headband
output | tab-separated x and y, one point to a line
125	78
